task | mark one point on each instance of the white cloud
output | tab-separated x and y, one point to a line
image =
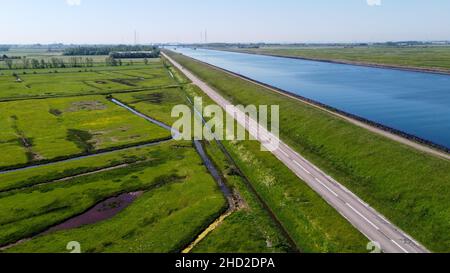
73	2
373	3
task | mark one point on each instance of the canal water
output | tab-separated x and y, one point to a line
412	102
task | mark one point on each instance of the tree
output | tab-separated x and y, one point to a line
73	61
146	61
87	62
25	62
35	63
55	62
111	61
9	63
43	63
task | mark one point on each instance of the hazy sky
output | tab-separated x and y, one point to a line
114	21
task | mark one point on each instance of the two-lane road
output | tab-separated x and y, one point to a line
368	221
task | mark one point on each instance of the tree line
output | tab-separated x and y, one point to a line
72	62
105	50
135	54
27	63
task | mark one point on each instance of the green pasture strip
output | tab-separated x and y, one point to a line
164	219
60	170
43	130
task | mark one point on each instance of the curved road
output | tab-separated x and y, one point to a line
368	221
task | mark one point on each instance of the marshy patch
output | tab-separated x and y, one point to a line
81	138
24	141
156	98
86	106
55	112
103	211
127	82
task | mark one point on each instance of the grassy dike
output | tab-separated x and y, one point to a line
312	224
409	187
435	59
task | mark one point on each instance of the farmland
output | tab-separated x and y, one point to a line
82	81
170	175
57	118
37	130
92	151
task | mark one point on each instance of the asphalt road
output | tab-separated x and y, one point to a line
368	221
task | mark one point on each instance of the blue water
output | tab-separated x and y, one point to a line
412	102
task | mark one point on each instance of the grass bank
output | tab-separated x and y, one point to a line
421	58
409	187
309	221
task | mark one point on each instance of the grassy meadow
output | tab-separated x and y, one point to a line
437	57
409	187
37	130
20	179
82	81
156	103
72	117
171	175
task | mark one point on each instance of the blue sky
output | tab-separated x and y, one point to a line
114	21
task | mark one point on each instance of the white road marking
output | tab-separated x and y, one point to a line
330	190
283	152
362	216
303	168
397	244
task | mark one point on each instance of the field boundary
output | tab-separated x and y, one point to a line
21	167
109	92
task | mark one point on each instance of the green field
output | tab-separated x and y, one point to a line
409	187
180	199
70	82
44	54
17	180
37	130
437	57
158	103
